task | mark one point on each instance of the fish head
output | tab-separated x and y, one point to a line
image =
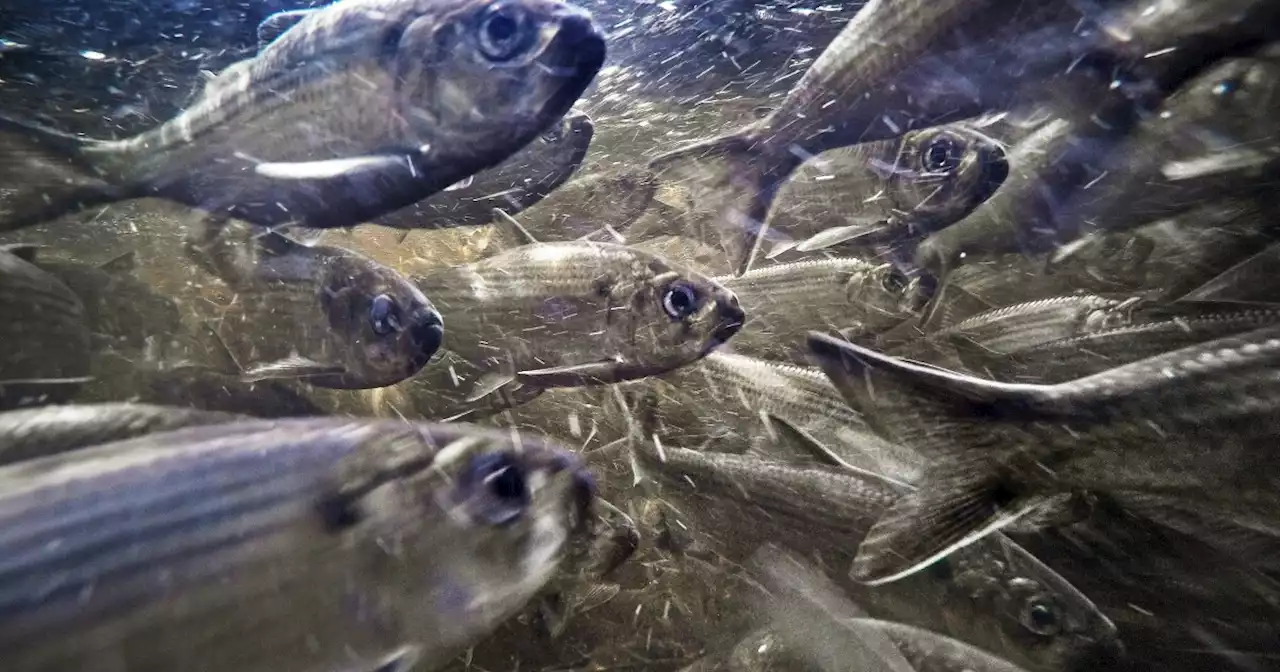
480	78
387	328
943	173
673	316
882	295
465	539
1230	104
1034	616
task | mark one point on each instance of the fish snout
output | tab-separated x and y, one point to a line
579	44
582	487
730	316
427	332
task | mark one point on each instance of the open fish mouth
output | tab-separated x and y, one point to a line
732	317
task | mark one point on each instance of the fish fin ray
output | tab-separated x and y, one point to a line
819	452
1232	285
574	375
513	232
331	168
290	368
1253	541
488	384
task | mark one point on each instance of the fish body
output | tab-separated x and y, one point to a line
587	204
1181	438
737	404
888	190
45	335
517	183
121	310
361	108
38	432
327	317
264	545
986	597
569	314
786	301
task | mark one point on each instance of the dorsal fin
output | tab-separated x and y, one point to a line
24	251
278	24
512	229
122	263
1250	281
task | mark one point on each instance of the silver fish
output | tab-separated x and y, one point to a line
786	301
319	544
46	337
521	181
567	314
994	595
361	108
1180	438
323	315
49	430
589	205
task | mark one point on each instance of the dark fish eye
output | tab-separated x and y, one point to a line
942	154
680	301
496	487
1040	616
895	281
504	32
1226	87
384	315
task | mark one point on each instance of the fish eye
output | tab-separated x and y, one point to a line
941	155
384	315
680	301
895	281
497	487
1040	615
504	32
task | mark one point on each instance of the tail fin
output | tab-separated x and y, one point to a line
731	182
45	175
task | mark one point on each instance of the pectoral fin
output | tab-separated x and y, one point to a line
24	251
332	168
278	24
511	229
805	442
290	368
402	659
576	375
461	184
488	384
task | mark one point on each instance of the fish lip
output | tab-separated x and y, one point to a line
582	486
732	317
580	42
427	334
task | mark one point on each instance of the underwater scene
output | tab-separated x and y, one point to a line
670	335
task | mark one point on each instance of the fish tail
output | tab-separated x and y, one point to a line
730	183
47	174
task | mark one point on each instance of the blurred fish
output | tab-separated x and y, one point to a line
323	315
734	404
927	63
39	432
522	180
786	301
994	594
567	314
590	204
319	544
117	377
1210	140
1181	438
1250	281
887	191
44	333
446	88
121	310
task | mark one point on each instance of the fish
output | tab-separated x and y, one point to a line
1209	140
442	89
1179	438
888	190
736	404
122	311
517	183
154	381
588	205
321	315
316	544
786	301
49	430
45	334
994	595
567	314
1245	282
898	65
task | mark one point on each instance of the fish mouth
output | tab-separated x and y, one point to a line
427	334
575	54
731	318
582	487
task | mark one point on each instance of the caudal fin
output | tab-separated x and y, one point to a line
44	175
730	184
